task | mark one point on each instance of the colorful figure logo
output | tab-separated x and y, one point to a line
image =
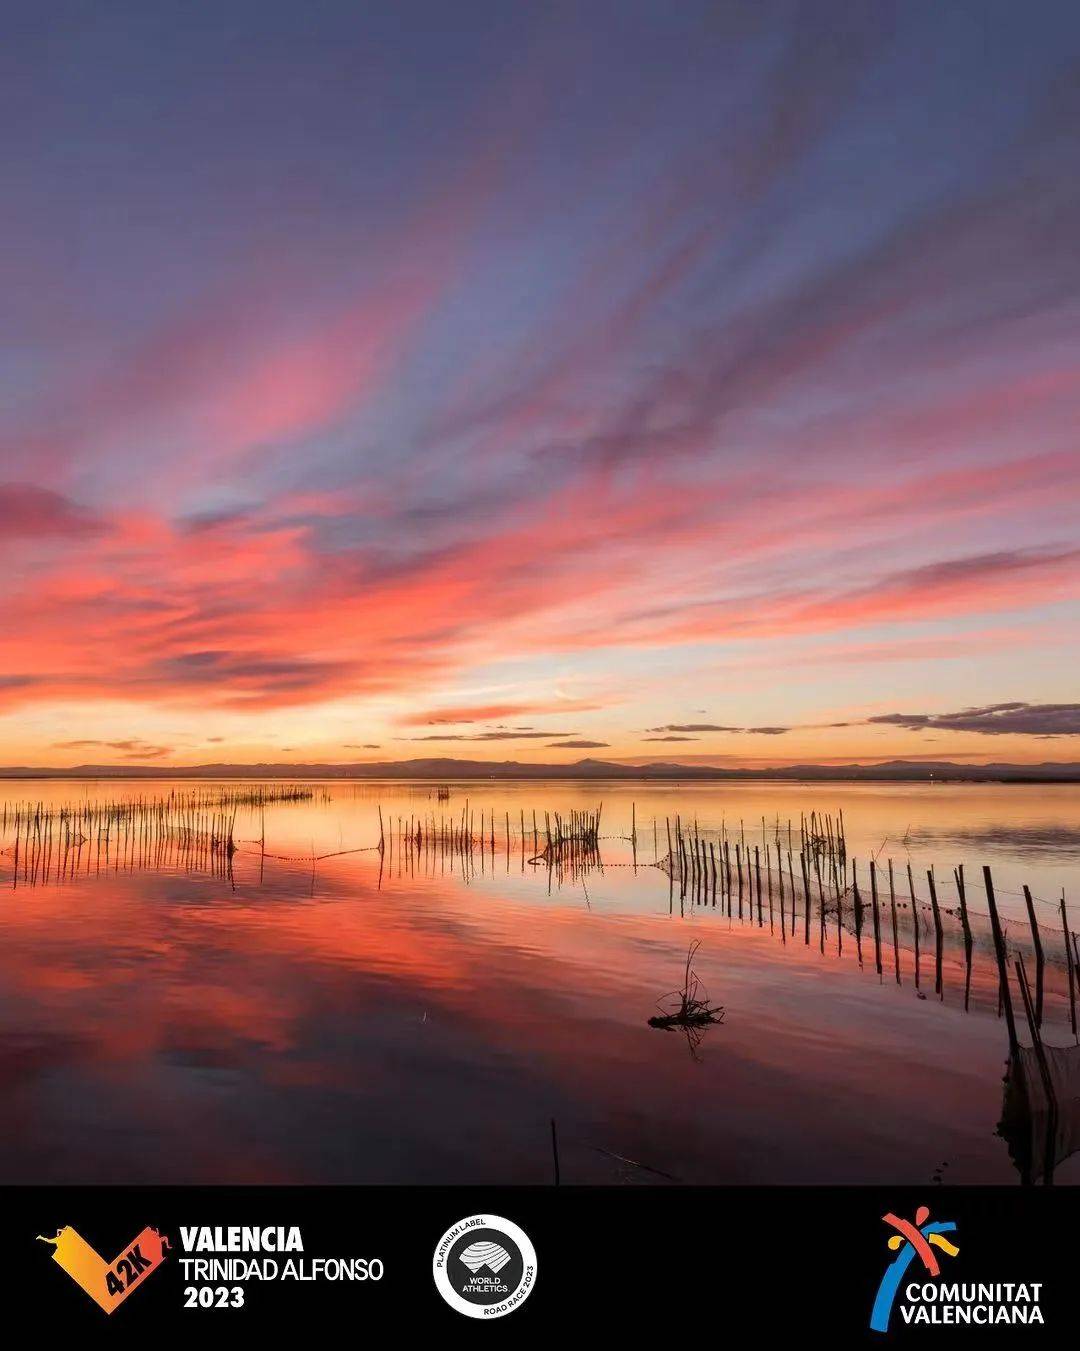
912	1240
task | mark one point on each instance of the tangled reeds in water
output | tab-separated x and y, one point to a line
693	1008
690	1013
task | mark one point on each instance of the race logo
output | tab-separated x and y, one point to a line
108	1283
484	1266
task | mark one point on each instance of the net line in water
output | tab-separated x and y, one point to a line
799	876
799	879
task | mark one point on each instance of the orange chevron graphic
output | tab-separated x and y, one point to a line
108	1283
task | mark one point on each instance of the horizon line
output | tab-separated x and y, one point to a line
423	768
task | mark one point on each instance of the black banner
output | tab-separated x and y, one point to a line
223	1262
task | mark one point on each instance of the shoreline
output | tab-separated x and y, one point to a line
694	777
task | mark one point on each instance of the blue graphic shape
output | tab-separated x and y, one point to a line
894	1274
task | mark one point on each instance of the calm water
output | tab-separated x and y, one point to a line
319	1014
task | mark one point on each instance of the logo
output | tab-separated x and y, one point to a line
484	1266
927	1300
489	1255
909	1241
108	1283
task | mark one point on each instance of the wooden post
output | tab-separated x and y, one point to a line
1070	967
999	950
961	891
738	866
727	873
877	920
914	920
938	934
1040	960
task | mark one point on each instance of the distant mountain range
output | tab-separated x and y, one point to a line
893	770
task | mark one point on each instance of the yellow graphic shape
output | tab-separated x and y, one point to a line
938	1240
108	1283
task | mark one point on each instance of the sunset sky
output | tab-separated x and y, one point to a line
511	381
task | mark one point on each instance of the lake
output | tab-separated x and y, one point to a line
310	1008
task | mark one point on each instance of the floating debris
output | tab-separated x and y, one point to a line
694	1009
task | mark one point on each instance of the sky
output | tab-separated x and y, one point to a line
622	380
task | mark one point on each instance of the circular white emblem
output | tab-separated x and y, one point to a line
484	1266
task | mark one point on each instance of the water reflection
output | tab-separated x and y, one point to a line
1002	837
1040	1115
318	1009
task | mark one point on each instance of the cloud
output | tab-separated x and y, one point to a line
467	713
983	581
1010	719
31	512
712	727
490	736
670	738
131	747
341	459
577	745
694	727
